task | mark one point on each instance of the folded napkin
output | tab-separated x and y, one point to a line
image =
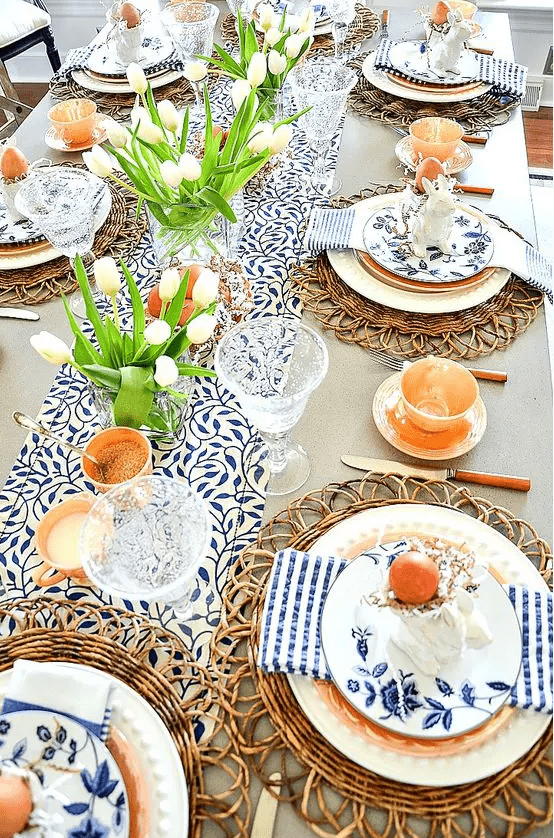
77	59
290	638
77	694
330	229
506	77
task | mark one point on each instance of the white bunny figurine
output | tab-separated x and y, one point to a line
435	218
445	54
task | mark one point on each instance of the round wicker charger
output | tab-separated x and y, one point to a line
476	331
364	25
124	645
271	730
117	237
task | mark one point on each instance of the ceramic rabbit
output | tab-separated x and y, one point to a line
433	223
445	54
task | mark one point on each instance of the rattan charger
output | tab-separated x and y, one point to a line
470	333
330	793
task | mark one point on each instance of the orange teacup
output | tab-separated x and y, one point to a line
57	541
435	136
466	8
437	393
74	120
123	453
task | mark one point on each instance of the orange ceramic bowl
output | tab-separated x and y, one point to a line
435	136
57	547
74	120
464	6
124	453
437	393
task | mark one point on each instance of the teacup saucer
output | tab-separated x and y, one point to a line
460	160
395	426
55	142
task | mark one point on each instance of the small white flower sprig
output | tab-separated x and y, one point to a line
286	39
134	365
183	193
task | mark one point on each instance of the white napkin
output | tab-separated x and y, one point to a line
78	694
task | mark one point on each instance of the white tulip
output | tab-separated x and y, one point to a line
307	20
201	328
171	173
240	90
195	71
150	133
272	36
51	348
117	133
281	138
293	45
205	288
139	114
276	62
166	371
189	167
168	115
257	69
261	137
292	22
266	16
157	332
169	284
98	161
136	78
107	276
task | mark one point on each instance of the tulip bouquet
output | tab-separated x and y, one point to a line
137	365
264	69
184	194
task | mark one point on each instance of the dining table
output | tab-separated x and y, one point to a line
338	420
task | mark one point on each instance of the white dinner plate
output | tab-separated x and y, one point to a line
346	264
406	762
105	86
155	752
104	59
384	82
407	58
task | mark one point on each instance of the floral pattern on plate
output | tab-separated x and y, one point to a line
17	232
380	680
90	799
410	59
470	240
154	50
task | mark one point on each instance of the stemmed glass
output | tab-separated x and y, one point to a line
145	540
191	26
272	365
321	84
61	203
342	13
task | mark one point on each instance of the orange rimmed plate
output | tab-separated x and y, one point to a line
406	284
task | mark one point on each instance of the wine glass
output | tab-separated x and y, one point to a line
61	203
342	13
272	365
145	540
191	26
321	84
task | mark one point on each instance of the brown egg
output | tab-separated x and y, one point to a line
440	13
430	168
194	272
15	805
130	14
154	307
13	163
413	578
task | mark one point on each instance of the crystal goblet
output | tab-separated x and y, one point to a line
342	13
61	203
145	540
191	26
272	365
321	84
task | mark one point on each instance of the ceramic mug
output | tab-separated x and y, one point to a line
435	136
74	120
437	393
124	454
57	541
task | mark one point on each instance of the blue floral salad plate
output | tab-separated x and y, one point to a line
89	797
409	58
381	681
470	241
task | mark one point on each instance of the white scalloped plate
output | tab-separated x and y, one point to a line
499	743
100	86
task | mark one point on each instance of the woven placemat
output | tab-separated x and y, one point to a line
118	236
153	662
364	25
479	114
332	794
470	333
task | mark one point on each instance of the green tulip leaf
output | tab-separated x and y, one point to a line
134	399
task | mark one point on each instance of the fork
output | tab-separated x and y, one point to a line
398	365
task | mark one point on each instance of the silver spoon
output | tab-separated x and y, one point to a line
31	425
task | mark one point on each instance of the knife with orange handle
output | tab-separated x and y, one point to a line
474	190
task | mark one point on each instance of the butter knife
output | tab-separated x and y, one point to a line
504	481
19	313
264	819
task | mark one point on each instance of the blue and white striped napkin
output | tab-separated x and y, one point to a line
77	694
506	77
290	639
76	59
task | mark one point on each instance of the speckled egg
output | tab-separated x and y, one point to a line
130	14
430	168
13	163
15	805
413	578
440	11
